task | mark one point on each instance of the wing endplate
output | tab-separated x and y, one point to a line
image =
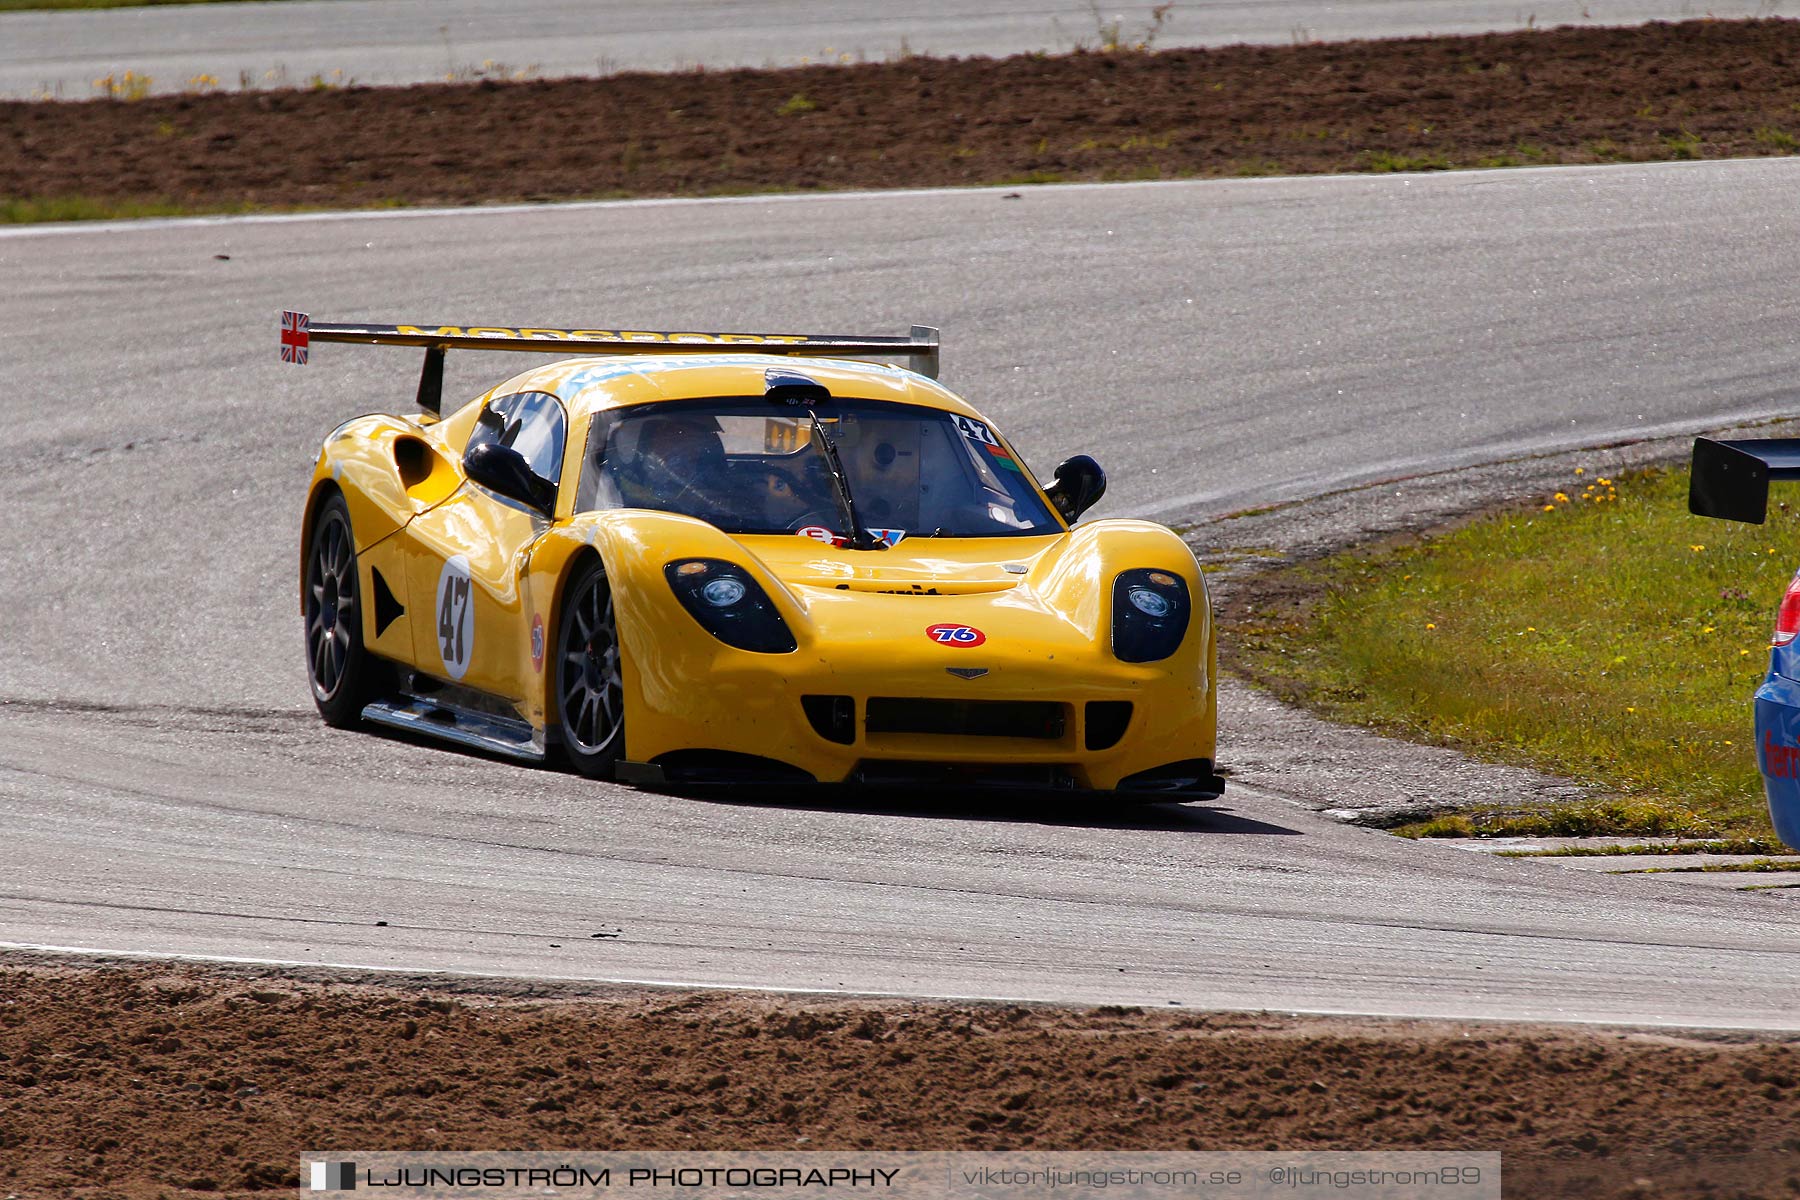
1731	479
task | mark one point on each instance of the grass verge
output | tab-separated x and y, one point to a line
1742	845
17	211
1760	866
1600	633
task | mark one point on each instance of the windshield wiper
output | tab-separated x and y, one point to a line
860	538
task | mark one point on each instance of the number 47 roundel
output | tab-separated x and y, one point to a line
455	617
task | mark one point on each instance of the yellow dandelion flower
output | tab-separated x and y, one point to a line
1429	625
1549	508
1562	497
1630	709
1697	549
1728	743
1743	654
1708	629
1581	470
1605	482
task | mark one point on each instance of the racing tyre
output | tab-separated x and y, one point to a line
590	689
336	663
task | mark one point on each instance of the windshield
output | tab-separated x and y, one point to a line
749	466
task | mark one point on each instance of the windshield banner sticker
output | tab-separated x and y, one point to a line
984	437
890	536
974	430
818	533
1002	459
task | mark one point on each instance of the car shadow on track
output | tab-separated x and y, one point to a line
1079	810
1034	808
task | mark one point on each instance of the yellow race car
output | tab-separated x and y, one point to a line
699	557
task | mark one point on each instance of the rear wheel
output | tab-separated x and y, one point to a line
335	660
590	687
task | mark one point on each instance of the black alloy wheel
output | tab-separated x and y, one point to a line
335	660
590	687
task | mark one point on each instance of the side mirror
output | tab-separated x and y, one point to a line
503	470
1078	486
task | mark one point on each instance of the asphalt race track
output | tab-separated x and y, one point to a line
166	788
405	41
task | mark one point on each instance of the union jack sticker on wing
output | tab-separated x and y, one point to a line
296	336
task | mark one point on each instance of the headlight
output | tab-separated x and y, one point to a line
723	593
1150	615
1151	604
729	604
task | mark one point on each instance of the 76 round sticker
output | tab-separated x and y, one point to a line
963	636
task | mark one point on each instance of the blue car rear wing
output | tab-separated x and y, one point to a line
299	331
1731	479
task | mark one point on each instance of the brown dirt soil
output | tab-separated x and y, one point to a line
1690	90
145	1081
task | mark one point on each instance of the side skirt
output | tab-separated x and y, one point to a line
464	726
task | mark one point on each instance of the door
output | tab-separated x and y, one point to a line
466	560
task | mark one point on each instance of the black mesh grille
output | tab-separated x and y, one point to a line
1106	722
970	718
834	717
1028	776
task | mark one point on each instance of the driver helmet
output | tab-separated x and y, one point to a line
687	446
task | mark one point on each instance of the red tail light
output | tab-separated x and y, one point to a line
1787	617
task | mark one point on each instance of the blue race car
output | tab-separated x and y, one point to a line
1731	482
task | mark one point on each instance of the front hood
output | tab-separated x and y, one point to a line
917	566
834	596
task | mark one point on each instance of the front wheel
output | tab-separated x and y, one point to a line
335	660
590	687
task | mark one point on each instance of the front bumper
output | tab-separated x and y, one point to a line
1042	718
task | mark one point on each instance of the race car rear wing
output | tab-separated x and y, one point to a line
299	331
1731	479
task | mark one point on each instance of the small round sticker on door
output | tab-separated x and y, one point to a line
455	616
537	641
964	636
